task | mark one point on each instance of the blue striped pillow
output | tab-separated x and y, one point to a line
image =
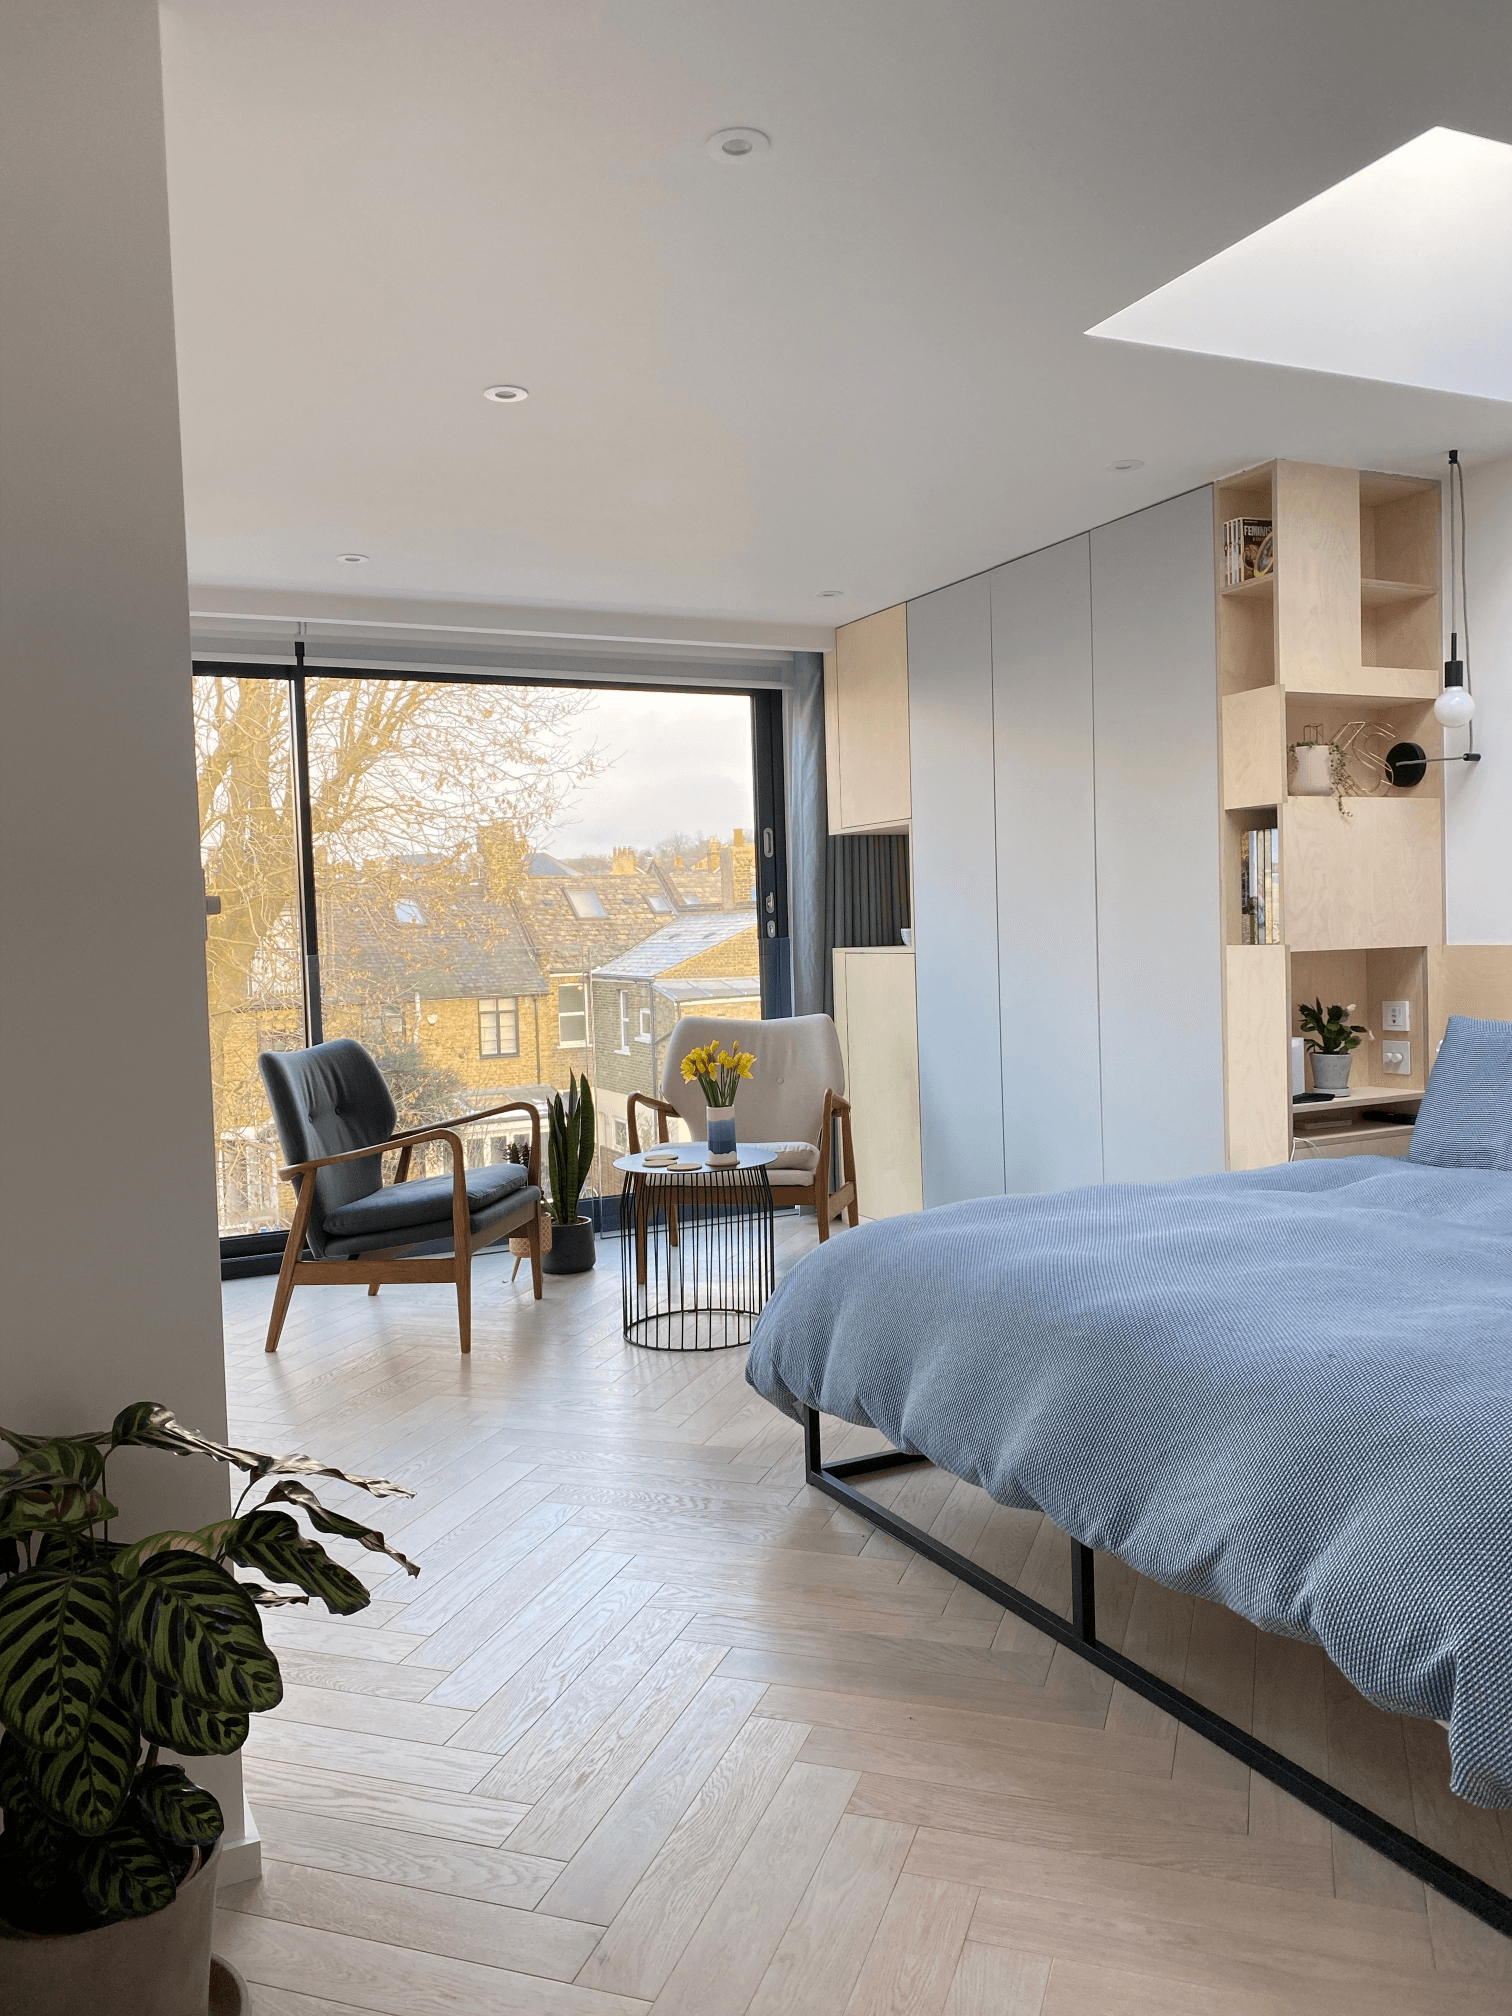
1466	1116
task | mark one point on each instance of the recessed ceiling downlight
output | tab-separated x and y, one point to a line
353	559
1127	462
738	143
829	594
505	395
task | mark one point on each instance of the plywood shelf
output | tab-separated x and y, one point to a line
1374	685
1346	627
1356	1097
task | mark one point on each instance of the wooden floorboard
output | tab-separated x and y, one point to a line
661	1728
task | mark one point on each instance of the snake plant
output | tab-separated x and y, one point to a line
570	1148
110	1654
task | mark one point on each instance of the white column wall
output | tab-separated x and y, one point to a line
110	1268
1064	726
1478	813
955	895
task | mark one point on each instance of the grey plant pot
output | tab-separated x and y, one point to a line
573	1250
1330	1070
157	1966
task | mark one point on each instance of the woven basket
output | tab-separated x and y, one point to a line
520	1247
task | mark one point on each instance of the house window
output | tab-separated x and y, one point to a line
621	1136
393	1025
624	1007
499	1027
659	904
645	1026
572	1015
585	903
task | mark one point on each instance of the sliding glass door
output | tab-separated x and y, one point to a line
252	949
505	886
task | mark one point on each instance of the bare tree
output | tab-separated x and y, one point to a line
417	790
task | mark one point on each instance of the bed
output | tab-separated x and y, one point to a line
1287	1390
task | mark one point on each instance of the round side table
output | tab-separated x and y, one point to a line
697	1260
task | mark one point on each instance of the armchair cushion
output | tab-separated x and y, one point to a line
797	1061
325	1101
397	1206
515	1208
795	1155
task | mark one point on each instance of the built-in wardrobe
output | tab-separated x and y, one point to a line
1063	734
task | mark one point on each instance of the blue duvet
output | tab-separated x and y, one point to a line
1288	1390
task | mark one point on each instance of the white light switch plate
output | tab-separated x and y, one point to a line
1396	1017
1397	1059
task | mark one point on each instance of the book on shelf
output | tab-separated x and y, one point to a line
1260	886
1249	550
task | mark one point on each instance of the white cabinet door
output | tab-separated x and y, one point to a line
955	892
1155	718
1046	868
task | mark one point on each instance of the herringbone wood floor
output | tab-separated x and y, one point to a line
658	1727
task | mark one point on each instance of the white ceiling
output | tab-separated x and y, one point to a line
855	362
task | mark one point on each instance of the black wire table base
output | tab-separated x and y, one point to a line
697	1258
1079	1634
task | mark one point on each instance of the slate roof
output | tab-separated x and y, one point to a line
674	943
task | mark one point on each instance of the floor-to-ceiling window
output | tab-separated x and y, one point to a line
494	887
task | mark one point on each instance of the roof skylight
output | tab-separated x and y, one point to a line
1391	274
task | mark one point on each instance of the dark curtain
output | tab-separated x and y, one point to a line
865	896
808	823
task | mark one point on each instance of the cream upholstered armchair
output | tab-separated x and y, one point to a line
792	1099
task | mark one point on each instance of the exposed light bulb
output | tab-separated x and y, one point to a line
1454	708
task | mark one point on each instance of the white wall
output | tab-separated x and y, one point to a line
109	1258
1479	808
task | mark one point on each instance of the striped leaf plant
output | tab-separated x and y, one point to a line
111	1655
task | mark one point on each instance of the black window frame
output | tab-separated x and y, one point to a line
259	1252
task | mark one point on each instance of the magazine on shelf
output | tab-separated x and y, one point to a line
1249	550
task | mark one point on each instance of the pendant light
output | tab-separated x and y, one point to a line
1407	762
1455	706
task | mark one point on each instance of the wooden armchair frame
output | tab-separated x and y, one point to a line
827	1204
386	1263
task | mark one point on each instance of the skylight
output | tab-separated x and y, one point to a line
585	903
1392	274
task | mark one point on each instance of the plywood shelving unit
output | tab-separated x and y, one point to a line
1347	628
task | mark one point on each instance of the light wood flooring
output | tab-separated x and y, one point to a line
660	1728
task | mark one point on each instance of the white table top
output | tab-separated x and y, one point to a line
693	1160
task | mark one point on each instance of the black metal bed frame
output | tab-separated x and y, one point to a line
1079	1634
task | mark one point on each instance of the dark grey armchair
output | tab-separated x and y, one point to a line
335	1119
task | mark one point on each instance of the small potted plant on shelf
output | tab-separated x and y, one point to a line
719	1074
109	1656
1331	1039
569	1158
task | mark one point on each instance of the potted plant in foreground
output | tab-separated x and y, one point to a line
1331	1038
111	1655
569	1158
719	1074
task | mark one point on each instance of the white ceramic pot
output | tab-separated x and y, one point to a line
157	1966
1330	1069
1314	770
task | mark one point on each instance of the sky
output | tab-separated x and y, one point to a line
673	763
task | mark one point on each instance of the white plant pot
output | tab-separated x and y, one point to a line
1330	1070
1314	770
